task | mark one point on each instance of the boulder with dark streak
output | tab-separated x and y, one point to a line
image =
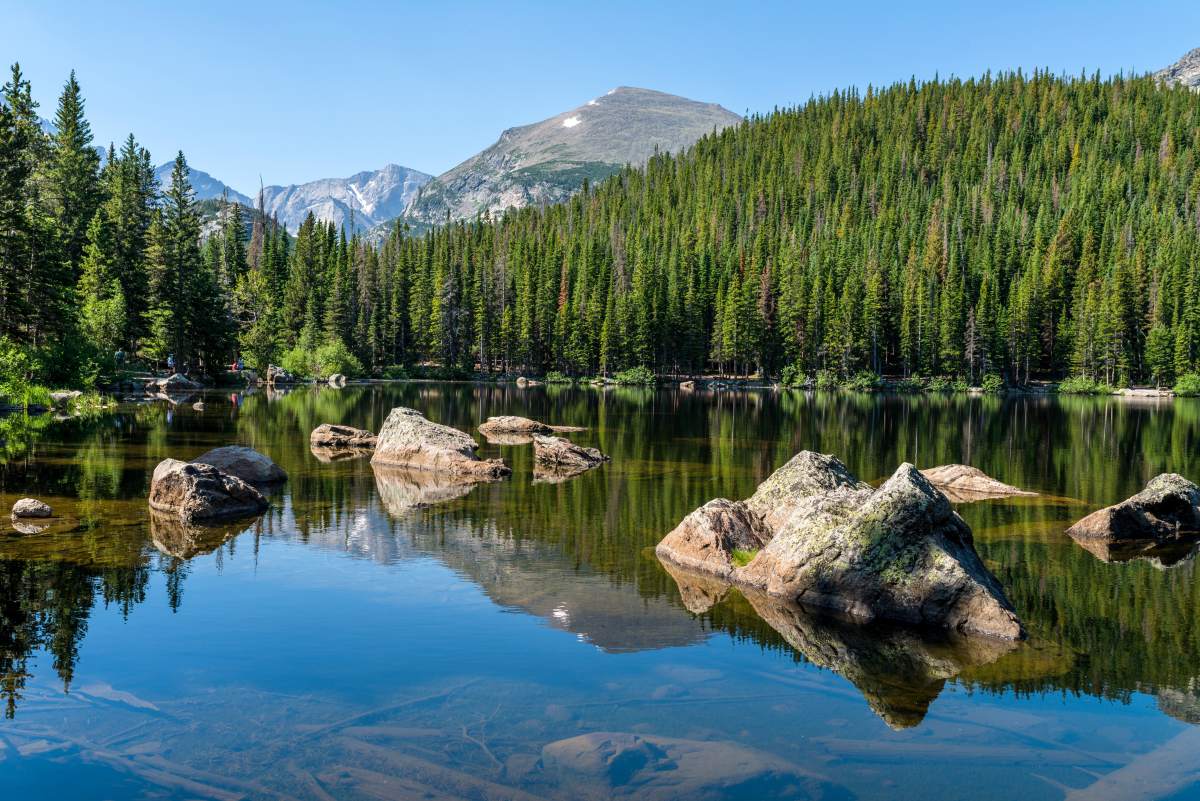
1168	508
562	457
333	437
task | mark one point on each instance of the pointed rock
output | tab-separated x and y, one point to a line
408	439
1167	508
964	484
198	492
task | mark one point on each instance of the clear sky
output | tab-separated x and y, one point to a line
301	90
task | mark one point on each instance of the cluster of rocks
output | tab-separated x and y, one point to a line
555	458
814	534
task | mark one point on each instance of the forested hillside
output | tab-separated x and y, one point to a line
1024	226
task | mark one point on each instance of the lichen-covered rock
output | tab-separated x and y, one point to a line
562	457
1167	508
245	463
408	439
31	507
706	539
963	484
899	553
806	477
198	492
334	437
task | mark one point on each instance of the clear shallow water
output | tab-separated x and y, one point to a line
521	640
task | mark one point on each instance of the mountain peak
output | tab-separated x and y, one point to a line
1185	71
547	161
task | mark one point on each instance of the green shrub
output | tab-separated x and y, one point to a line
1188	385
793	376
912	383
1082	385
322	362
993	384
827	379
940	384
555	377
635	376
864	381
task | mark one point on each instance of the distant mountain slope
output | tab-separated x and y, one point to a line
1185	71
547	161
370	197
205	186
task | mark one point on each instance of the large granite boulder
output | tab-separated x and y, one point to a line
31	507
963	484
706	539
408	439
899	553
196	492
1168	508
337	438
245	463
561	457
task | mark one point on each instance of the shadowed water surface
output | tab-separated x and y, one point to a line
379	635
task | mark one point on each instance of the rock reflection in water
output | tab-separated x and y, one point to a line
401	490
1161	555
173	537
899	671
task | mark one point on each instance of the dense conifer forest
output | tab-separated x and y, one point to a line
1017	226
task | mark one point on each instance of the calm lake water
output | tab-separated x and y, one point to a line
520	640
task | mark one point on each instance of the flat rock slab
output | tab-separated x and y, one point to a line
898	553
963	484
1168	508
31	507
197	492
335	437
409	439
512	424
245	463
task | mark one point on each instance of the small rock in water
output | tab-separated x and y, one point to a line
962	483
31	507
563	457
334	437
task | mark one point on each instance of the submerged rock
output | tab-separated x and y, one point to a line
606	765
31	507
336	438
1169	507
561	457
898	553
200	492
245	463
963	484
408	439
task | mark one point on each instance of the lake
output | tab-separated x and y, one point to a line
372	638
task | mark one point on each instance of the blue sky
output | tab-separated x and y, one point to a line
301	90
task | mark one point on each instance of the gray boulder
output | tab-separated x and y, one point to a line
899	553
1168	508
200	493
245	463
31	507
408	439
277	375
337	380
63	399
176	382
511	424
